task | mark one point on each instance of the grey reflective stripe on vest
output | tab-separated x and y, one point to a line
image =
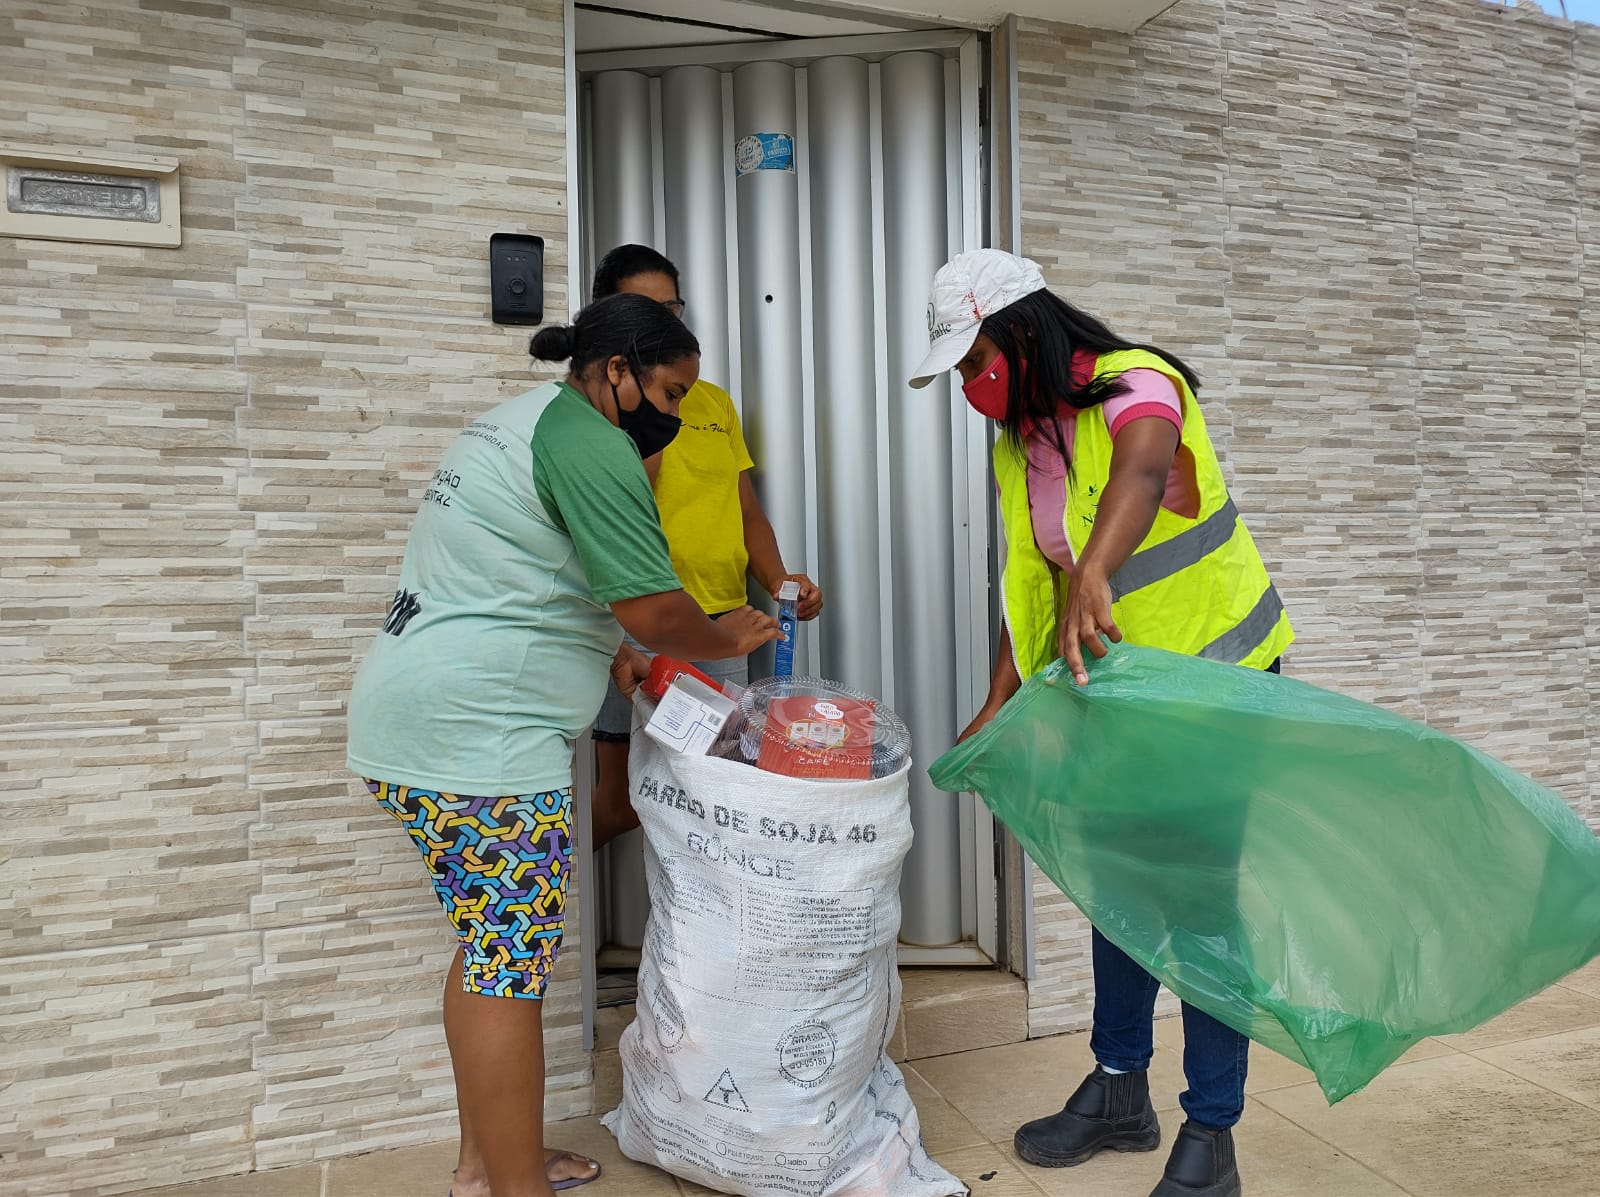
1244	637
1170	556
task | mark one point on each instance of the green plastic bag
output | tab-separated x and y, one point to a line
1332	880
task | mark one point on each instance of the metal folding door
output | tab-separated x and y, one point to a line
808	193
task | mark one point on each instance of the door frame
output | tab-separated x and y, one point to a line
872	47
985	872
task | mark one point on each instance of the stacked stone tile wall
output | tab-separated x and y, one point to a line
215	954
1374	227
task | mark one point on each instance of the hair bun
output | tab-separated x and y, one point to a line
554	344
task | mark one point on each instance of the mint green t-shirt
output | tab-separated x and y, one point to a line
497	646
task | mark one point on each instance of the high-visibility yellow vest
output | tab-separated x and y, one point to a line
1194	586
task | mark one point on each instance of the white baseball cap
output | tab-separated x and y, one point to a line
969	289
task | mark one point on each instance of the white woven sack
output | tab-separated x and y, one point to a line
768	985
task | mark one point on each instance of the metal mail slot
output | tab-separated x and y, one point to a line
81	193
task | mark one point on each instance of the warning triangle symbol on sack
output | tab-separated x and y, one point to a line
726	1094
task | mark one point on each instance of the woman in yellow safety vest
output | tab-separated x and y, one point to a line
1118	524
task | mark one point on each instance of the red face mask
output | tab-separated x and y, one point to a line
990	392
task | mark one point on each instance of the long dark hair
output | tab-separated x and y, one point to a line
628	326
1045	330
629	261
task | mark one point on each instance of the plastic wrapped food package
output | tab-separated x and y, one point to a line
812	727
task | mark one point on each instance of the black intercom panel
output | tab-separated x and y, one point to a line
516	278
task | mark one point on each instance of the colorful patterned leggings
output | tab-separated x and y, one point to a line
499	866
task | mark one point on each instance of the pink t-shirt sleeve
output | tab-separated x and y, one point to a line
1150	393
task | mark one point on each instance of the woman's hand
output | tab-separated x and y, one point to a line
981	721
752	628
810	604
1087	619
673	623
628	668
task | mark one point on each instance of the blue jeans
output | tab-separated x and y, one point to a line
1216	1058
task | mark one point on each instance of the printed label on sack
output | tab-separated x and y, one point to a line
721	1151
806	1054
643	1064
783	945
669	1018
741	841
724	1092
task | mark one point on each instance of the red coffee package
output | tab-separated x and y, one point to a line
664	671
807	736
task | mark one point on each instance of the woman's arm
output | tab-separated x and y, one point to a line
673	623
1141	460
766	560
1002	685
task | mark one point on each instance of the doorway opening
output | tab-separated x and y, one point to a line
808	172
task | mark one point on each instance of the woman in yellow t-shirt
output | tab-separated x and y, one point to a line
716	530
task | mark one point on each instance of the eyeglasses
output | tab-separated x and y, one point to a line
675	306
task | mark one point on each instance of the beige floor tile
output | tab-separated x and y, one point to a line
1568	1064
989	1173
401	1172
1109	1174
1000	1088
1428	1049
1555	1010
978	1160
621	1177
897	1041
1279	1159
944	1128
1276	1159
1586	979
1269	1070
607	1081
1456	1126
304	1181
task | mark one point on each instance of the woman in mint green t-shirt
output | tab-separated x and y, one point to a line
536	538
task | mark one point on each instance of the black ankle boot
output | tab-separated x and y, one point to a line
1202	1164
1106	1112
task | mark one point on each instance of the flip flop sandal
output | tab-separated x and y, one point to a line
574	1182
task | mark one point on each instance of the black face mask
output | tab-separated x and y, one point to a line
651	428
